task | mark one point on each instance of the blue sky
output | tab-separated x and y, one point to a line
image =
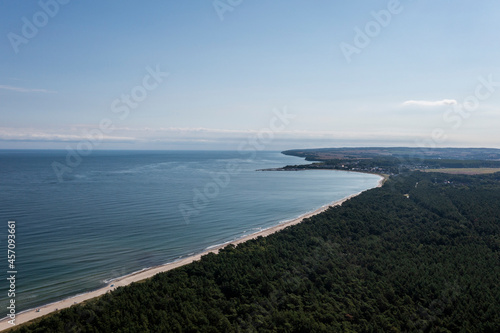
425	73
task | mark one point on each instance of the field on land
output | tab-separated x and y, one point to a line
465	171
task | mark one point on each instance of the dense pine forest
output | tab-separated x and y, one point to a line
420	254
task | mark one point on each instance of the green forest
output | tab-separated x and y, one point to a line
392	165
420	254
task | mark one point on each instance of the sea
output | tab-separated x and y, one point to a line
82	221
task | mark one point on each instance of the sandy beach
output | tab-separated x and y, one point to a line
31	314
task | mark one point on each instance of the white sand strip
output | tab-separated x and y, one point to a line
29	315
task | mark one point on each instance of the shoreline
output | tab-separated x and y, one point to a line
31	314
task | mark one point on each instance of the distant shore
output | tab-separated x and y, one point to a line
41	311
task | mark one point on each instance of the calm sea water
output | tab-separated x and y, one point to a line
122	211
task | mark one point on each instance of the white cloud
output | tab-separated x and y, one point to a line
444	102
26	90
144	134
50	135
213	138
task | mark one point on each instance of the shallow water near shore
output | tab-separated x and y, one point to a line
122	211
